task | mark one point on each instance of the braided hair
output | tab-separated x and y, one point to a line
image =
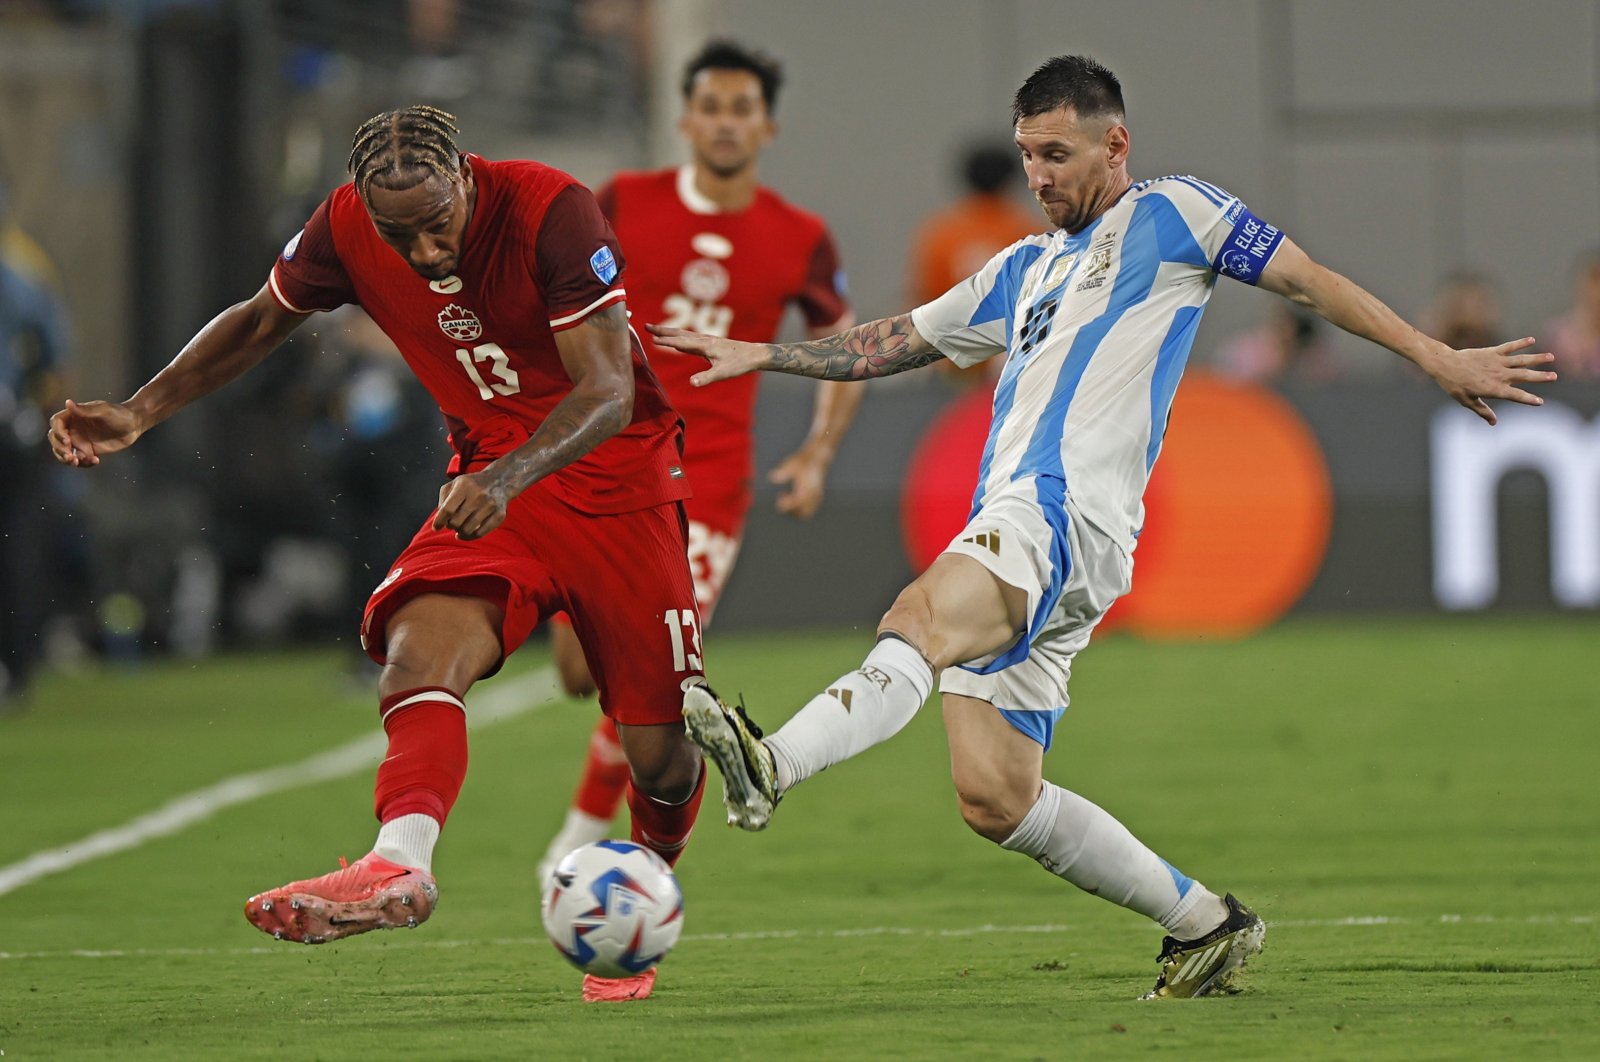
390	148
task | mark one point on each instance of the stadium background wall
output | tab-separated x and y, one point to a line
161	154
847	564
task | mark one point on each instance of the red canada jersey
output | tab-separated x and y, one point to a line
723	273
537	258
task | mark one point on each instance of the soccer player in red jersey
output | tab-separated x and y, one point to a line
712	250
502	285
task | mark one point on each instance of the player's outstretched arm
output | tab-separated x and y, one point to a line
598	357
877	348
236	340
804	473
1469	376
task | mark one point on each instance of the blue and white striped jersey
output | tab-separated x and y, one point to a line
1098	327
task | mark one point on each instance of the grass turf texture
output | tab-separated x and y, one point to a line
1411	803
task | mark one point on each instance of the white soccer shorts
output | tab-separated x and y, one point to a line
1031	536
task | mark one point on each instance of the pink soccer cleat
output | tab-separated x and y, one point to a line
618	989
371	893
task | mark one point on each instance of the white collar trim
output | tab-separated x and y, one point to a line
691	196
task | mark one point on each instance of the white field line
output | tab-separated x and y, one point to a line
825	934
495	704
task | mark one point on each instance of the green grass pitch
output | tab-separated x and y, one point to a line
1412	805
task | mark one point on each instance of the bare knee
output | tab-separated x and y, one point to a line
956	611
440	640
997	770
911	618
991	812
662	760
575	678
572	668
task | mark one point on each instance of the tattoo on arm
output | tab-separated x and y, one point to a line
599	405
577	424
877	348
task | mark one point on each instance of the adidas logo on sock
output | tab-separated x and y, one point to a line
879	678
842	696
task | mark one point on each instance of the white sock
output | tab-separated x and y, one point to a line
869	705
408	840
1079	841
581	828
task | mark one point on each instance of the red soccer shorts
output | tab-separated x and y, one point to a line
623	578
716	530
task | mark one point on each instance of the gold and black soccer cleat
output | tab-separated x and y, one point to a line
1206	966
731	741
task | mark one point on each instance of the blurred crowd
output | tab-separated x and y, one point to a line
345	452
1467	310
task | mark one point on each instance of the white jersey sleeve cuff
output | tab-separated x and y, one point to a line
558	324
277	293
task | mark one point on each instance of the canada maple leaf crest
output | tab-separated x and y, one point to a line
460	323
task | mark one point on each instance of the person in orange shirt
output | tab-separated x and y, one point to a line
955	242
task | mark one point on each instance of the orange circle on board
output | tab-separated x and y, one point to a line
1237	513
941	476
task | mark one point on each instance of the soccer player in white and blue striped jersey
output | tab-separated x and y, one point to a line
1097	320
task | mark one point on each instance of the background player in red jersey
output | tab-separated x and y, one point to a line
710	249
501	284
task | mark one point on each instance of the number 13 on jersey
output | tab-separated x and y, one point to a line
683	627
507	383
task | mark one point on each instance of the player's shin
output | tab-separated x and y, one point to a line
863	708
1080	842
605	774
421	776
661	827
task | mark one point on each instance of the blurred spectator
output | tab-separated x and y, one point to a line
1287	345
386	451
954	243
437	69
33	345
590	61
1574	337
1465	312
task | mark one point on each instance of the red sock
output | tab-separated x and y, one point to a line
664	828
605	773
427	760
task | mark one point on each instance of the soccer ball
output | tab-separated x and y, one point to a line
613	908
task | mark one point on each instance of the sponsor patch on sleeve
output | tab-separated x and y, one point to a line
292	246
840	286
1249	246
604	264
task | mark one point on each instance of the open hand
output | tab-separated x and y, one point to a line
1472	375
728	358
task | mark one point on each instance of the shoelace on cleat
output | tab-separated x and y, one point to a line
750	724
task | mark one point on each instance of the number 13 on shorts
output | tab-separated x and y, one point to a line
683	627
